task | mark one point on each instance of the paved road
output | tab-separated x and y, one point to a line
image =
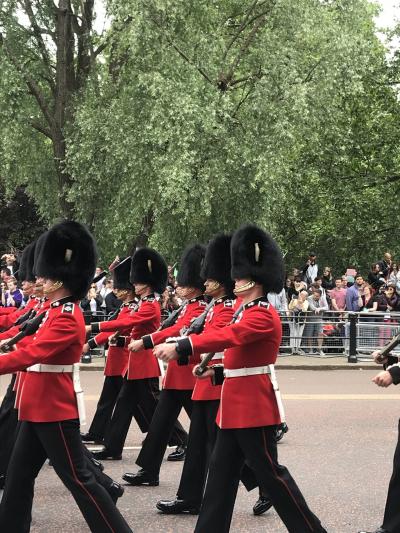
339	448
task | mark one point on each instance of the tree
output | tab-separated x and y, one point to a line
47	54
213	114
20	223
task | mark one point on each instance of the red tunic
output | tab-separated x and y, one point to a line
33	303
252	341
179	377
40	306
144	319
45	396
8	320
117	358
147	318
218	316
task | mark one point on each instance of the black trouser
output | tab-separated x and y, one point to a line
61	443
8	425
165	417
258	447
105	406
139	394
202	435
391	519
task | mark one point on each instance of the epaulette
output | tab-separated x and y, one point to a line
202	303
68	308
149	299
228	303
263	304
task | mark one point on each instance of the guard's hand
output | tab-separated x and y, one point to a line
209	373
88	329
383	379
166	352
378	358
85	348
136	345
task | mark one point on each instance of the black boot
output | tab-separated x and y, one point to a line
178	455
262	505
177	506
89	437
115	490
141	477
106	454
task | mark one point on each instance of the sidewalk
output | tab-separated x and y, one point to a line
286	362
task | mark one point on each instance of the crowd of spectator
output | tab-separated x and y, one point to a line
310	296
312	299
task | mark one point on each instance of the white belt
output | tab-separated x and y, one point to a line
250	371
61	369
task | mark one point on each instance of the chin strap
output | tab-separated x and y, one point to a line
56	285
244	287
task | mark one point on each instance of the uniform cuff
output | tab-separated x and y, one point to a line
147	342
95	327
183	348
394	371
92	343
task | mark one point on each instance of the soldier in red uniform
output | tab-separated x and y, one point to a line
49	404
117	357
148	276
179	381
248	412
202	434
8	413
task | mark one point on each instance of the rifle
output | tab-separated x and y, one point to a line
26	316
389	347
100	276
29	327
173	317
197	324
202	367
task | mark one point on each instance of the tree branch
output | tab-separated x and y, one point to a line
33	87
180	52
240	29
39	127
27	6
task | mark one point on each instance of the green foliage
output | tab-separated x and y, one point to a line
204	115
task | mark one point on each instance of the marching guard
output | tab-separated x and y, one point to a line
117	357
178	381
50	402
203	429
148	276
249	409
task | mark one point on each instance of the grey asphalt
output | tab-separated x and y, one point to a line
339	448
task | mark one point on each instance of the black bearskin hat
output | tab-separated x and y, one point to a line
67	252
149	267
121	273
217	262
25	272
189	274
256	255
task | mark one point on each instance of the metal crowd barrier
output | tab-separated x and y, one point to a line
337	333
